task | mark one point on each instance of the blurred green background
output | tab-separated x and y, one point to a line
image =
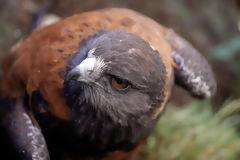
190	128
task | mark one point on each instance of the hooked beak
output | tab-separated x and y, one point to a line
73	75
89	70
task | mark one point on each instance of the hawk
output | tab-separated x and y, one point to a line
94	85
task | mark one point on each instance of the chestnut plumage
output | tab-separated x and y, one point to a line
95	84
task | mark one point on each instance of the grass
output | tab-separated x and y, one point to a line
195	133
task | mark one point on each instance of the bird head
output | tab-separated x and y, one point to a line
114	85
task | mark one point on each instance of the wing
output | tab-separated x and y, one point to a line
39	62
192	71
25	135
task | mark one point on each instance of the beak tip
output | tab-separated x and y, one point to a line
72	76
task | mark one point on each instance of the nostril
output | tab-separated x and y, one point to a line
90	71
75	77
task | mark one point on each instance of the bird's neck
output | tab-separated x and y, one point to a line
90	132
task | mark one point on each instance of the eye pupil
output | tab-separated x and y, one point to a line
119	83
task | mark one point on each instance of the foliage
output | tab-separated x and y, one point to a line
194	132
226	51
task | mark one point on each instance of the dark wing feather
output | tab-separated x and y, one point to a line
193	71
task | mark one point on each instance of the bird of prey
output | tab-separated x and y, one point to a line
93	85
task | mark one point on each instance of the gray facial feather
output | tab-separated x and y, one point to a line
133	60
116	105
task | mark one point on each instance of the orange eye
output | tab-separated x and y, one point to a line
119	83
